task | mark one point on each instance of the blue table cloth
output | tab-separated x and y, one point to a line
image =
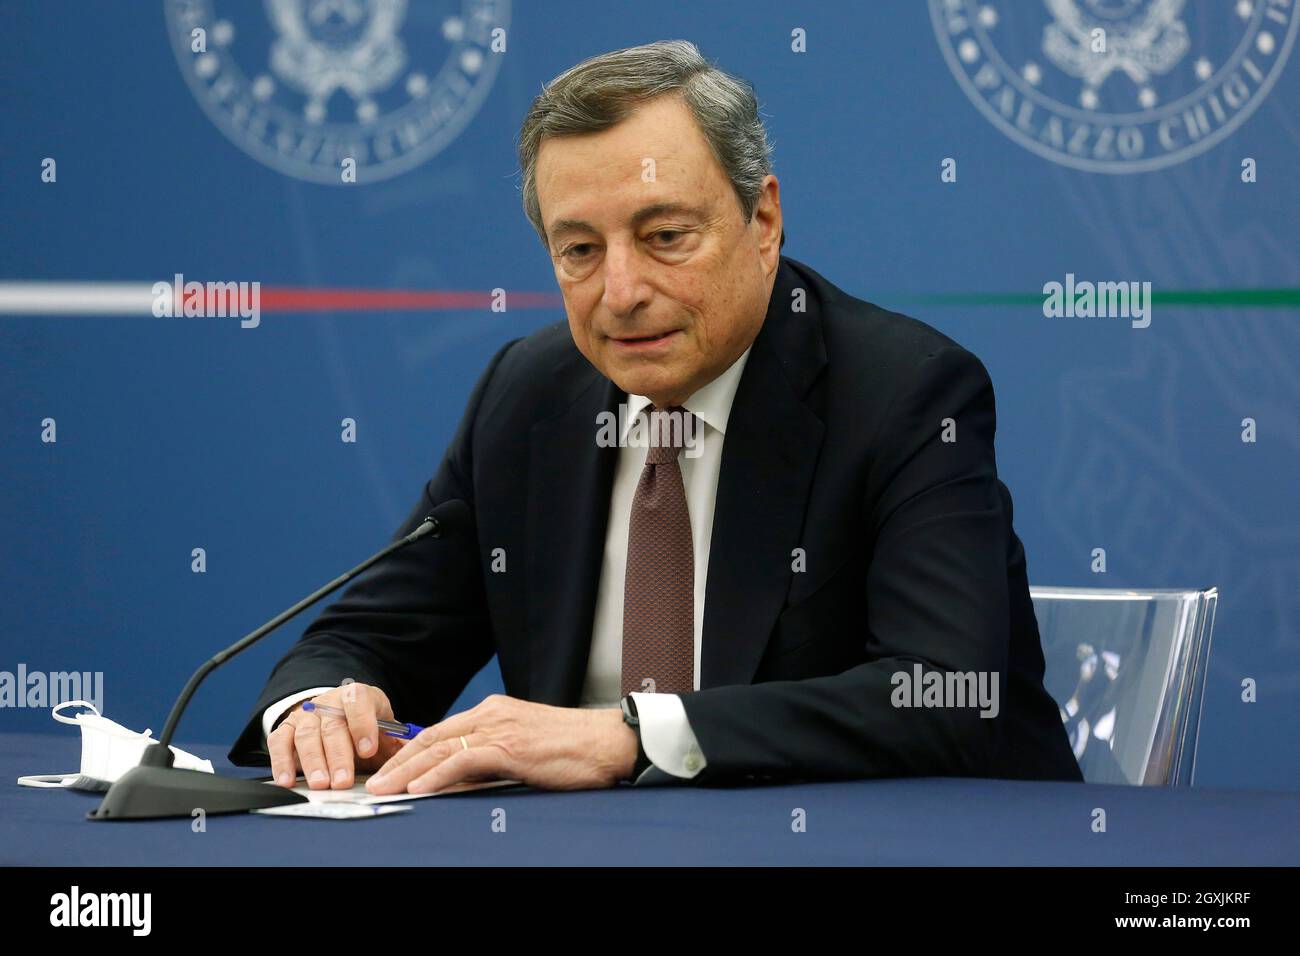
935	821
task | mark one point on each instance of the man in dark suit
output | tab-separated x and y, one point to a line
808	572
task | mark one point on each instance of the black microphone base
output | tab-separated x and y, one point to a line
151	793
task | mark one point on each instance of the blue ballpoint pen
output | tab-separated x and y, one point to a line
391	727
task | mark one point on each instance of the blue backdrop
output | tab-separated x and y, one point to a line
175	434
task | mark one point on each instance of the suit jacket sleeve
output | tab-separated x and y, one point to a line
936	594
414	624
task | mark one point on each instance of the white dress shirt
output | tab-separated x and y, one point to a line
666	734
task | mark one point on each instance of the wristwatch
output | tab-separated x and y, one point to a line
630	718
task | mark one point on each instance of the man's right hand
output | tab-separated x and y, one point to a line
328	749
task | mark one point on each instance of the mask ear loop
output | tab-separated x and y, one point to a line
57	780
72	703
48	781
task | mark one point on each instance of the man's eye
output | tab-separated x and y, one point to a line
577	250
669	236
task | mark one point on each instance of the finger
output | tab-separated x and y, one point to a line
307	742
336	741
415	747
363	724
420	757
449	729
280	746
477	763
420	760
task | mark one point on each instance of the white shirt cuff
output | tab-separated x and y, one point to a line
668	739
272	713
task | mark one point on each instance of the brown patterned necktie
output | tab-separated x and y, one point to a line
659	591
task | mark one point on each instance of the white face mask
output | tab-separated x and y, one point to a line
108	750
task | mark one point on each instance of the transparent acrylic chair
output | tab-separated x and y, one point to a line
1127	670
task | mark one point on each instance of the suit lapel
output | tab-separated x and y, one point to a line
768	460
569	483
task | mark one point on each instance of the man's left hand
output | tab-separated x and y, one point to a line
553	748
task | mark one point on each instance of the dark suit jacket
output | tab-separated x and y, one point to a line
833	446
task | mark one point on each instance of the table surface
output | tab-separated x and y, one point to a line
908	822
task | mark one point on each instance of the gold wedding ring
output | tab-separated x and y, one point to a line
463	745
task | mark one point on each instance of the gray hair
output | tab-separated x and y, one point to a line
603	90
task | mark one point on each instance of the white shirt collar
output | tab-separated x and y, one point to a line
711	403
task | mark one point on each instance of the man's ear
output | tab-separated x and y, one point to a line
767	217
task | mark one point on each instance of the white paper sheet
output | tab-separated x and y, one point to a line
333	811
360	796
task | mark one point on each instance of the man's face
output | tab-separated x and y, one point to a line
664	283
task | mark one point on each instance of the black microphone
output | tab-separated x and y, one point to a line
156	789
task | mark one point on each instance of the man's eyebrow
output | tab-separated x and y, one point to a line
564	226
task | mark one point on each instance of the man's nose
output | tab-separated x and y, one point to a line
625	280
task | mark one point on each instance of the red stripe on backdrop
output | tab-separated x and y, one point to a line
287	299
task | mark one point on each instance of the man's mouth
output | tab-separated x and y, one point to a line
644	341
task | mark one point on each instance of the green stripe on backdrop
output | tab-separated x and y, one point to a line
1244	298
